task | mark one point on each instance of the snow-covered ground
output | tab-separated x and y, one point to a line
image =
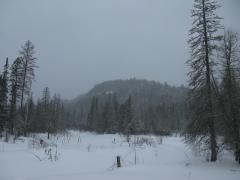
76	156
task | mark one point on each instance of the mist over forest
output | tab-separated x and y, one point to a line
119	89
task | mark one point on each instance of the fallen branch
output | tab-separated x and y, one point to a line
38	157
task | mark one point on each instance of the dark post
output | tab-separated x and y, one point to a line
118	162
41	142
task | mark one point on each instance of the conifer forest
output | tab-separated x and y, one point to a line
120	89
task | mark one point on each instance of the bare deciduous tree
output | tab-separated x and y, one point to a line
230	90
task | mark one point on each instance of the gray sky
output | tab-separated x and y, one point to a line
83	42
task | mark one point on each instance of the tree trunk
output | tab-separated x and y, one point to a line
213	144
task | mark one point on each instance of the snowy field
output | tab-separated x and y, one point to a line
76	156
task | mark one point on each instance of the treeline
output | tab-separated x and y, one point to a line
107	115
155	108
214	97
48	114
111	117
19	115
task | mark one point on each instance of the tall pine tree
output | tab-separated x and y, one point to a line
15	85
4	120
203	38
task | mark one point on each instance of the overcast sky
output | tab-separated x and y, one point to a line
83	42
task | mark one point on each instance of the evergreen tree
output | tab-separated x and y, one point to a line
29	109
107	116
15	85
46	110
115	120
1	106
122	118
94	122
5	82
126	118
38	124
4	97
110	114
61	120
203	38
57	114
129	117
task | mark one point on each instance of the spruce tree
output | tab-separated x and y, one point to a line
126	125
4	97
15	85
129	116
46	110
29	109
203	42
107	116
93	119
122	118
56	110
115	121
1	106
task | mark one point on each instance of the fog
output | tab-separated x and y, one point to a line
83	42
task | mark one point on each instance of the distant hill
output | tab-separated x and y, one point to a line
152	102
